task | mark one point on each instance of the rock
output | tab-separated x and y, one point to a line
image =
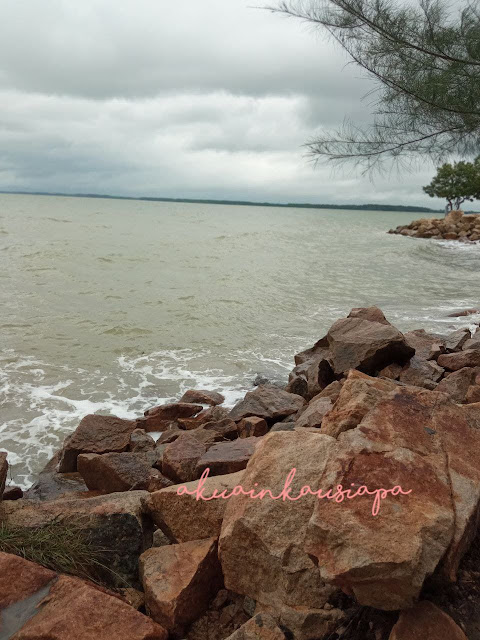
160	539
115	522
357	343
185	518
227	457
179	581
3	472
95	434
313	415
134	598
473	395
252	427
425	621
313	371
181	456
423	342
158	418
261	627
37	602
212	414
331	391
424	442
261	546
51	485
140	442
283	426
269	403
392	372
157	481
359	394
169	436
196	396
209	437
12	493
473	342
456	340
114	472
421	373
463	312
372	314
456	361
226	428
457	384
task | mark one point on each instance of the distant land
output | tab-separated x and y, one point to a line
245	203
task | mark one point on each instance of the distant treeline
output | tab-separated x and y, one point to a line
245	203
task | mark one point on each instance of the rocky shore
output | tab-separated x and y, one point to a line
366	406
455	226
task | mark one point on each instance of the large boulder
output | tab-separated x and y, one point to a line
313	415
181	456
457	383
114	523
3	472
114	472
262	541
421	373
425	621
252	427
95	434
423	342
37	604
269	403
179	581
456	361
141	442
227	457
161	417
200	396
183	516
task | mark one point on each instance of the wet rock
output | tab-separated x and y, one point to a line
456	361
226	428
331	391
421	373
115	522
114	472
184	517
313	415
456	340
269	403
252	427
140	442
179	582
313	371
95	434
267	562
160	539
392	372
51	485
463	312
227	457
425	621
181	456
158	418
197	396
3	472
212	414
283	426
473	395
157	481
457	384
169	436
372	314
21	579
261	627
12	493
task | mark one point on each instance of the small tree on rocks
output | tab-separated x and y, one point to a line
456	183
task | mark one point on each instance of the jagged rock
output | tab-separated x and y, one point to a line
169	436
51	485
473	395
425	621
473	342
184	517
212	414
392	372
261	544
253	426
226	428
313	371
462	313
197	396
372	314
160	418
283	426
455	226
95	434
114	472
358	395
456	361
157	481
3	472
457	383
456	340
37	604
423	342
269	403
313	415
140	442
261	627
114	522
227	457
421	373
181	456
179	581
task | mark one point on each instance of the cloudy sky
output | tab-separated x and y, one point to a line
193	98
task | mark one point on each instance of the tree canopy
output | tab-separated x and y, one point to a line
425	60
456	183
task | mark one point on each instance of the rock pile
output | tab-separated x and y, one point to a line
455	226
367	409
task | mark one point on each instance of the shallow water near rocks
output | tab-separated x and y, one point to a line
113	306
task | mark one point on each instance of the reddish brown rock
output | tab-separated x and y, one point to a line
392	372
421	373
181	456
261	627
160	418
269	403
197	396
92	615
212	414
141	442
463	312
456	361
157	481
252	427
457	384
3	472
423	342
95	434
425	621
313	415
227	457
226	428
357	343
358	395
179	581
168	436
372	314
21	579
473	395
456	340
184	517
13	493
114	472
313	371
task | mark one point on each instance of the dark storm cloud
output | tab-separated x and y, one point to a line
200	99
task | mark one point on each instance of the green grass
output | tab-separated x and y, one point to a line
62	547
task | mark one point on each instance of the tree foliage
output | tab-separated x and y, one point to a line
425	62
456	182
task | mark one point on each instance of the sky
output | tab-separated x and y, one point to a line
193	98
